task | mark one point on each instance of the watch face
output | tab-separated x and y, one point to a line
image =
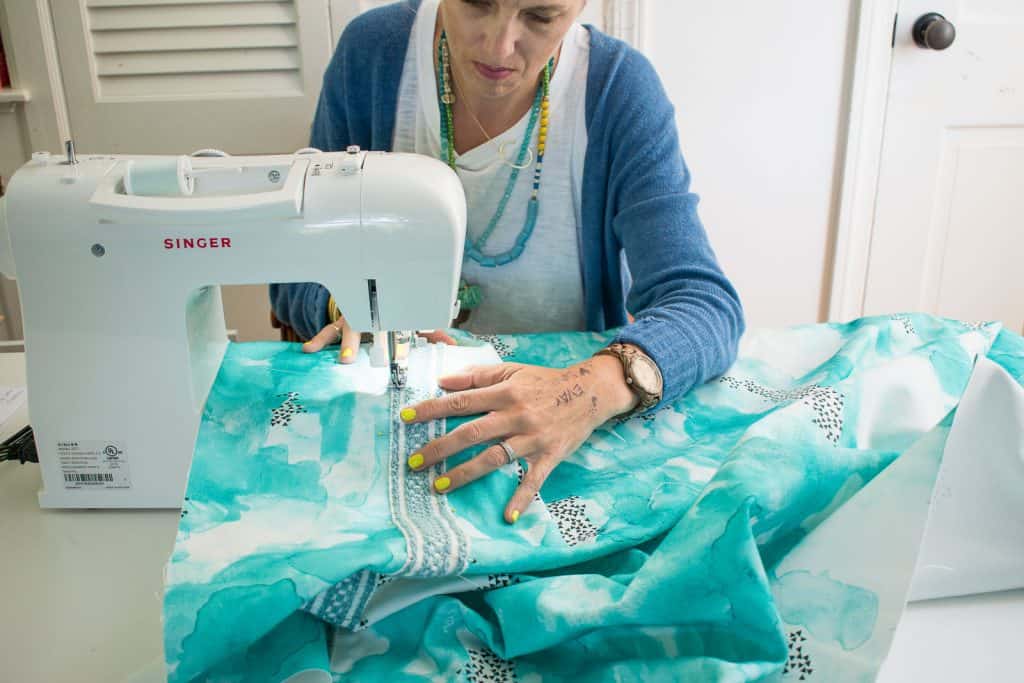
645	375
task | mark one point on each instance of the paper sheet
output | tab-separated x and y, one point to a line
11	398
974	540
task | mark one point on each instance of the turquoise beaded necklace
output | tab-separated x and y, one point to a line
469	295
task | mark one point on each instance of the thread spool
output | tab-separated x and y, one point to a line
171	177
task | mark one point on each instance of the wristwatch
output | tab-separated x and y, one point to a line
642	375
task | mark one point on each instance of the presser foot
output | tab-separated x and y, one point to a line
399	375
398	361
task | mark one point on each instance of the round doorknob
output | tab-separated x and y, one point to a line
933	31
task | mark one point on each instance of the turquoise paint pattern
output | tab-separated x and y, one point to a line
731	536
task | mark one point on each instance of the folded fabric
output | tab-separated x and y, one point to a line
764	525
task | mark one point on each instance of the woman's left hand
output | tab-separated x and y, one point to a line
543	414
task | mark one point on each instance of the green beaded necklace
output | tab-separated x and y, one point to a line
469	295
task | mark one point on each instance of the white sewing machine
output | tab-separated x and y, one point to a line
119	273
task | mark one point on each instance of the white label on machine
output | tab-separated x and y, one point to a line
93	464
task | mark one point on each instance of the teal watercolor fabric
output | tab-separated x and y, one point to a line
763	527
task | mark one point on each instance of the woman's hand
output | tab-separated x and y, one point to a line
543	414
341	330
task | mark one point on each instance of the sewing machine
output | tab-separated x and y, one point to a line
119	261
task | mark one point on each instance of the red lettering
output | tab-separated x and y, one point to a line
197	242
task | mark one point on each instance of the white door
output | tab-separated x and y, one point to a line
171	76
948	235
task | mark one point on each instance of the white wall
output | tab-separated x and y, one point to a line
760	90
13	152
13	146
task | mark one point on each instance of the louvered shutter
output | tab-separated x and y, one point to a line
167	76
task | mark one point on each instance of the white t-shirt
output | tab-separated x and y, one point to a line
542	290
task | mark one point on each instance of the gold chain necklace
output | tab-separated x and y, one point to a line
465	102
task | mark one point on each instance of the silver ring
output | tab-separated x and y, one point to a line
509	453
338	330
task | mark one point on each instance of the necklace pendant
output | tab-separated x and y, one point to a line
470	296
447	98
518	167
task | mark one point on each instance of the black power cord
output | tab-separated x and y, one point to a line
21	447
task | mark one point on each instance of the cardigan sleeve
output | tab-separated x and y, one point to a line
688	316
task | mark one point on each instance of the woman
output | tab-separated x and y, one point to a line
567	148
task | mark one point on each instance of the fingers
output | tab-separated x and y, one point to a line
325	337
488	428
478	376
333	333
459	403
487	461
349	348
493	458
438	337
529	487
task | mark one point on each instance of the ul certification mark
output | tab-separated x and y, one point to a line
91	464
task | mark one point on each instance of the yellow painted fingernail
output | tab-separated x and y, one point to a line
416	461
442	483
515	516
346	353
408	414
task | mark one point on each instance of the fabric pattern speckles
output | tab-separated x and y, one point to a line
282	415
571	515
906	322
798	664
486	667
826	402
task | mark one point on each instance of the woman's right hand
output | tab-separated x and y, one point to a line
340	330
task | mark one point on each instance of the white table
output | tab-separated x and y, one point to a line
81	590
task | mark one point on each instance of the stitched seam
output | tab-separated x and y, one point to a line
435	545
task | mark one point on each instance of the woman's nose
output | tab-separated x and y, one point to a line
503	43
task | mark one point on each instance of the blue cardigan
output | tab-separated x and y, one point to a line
636	201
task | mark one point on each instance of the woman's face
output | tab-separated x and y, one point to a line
499	47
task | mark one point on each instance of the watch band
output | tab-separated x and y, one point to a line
628	355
